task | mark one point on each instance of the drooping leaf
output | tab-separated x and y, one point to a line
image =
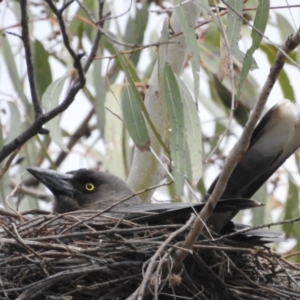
233	28
262	216
230	47
100	86
135	34
283	78
192	133
241	112
260	23
15	126
163	49
210	64
50	100
12	68
284	27
171	95
191	42
132	77
81	25
42	70
114	160
206	10
134	119
291	210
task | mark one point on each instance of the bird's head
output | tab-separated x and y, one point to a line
83	189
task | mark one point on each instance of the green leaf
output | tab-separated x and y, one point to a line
42	70
283	78
192	133
100	86
260	23
233	28
210	57
114	160
291	211
132	77
206	10
241	112
5	190
171	95
2	142
81	24
210	64
134	119
135	34
15	126
50	100
191	43
284	27
262	215
12	69
163	49
126	65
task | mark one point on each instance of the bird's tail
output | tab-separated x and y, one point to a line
275	138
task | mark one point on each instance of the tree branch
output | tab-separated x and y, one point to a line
241	146
78	83
28	56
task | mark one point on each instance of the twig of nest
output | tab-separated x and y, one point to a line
79	256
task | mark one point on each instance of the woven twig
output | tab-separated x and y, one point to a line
79	256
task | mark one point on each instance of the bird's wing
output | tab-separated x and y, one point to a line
274	139
251	237
179	211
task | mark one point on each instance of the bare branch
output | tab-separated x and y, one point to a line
78	84
28	56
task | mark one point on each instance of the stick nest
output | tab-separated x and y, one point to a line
79	256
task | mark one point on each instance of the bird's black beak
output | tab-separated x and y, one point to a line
57	183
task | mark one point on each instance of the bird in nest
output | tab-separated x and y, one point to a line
275	138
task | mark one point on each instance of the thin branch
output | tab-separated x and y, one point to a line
95	46
139	292
78	84
242	145
66	5
28	56
8	162
76	57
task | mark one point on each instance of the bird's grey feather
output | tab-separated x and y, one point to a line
274	139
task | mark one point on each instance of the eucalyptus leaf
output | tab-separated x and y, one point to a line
135	34
192	133
291	211
284	26
114	134
283	78
163	49
15	123
233	28
12	68
132	77
171	94
50	100
100	89
42	70
259	26
134	119
191	42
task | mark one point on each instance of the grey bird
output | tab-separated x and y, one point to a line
274	139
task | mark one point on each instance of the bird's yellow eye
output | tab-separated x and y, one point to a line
89	187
